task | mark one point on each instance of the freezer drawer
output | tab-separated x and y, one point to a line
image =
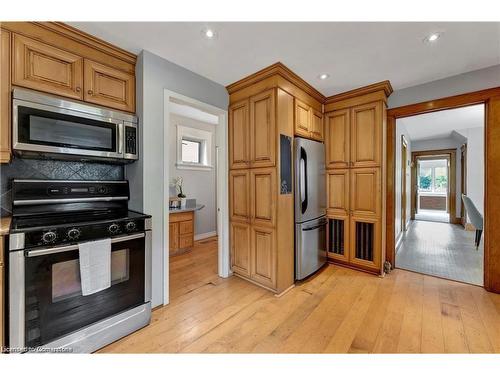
310	247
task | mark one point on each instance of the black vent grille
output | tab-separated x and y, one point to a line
336	236
364	241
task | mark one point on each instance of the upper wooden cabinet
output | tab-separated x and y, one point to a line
366	135
109	87
302	119
239	135
317	126
338	125
263	129
42	67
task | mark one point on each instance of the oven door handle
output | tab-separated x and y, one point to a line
61	249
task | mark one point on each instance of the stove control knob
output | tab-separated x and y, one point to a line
130	226
113	228
49	237
74	233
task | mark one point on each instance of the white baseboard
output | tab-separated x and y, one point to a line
202	236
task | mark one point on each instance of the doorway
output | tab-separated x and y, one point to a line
436	243
196	149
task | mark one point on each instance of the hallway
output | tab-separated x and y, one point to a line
443	250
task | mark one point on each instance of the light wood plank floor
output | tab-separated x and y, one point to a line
336	311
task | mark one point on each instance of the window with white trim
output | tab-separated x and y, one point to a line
194	148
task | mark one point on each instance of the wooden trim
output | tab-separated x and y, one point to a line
379	86
279	69
390	199
457	101
5	96
491	99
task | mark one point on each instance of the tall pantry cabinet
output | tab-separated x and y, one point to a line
355	127
261	129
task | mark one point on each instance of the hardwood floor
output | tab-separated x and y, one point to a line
337	311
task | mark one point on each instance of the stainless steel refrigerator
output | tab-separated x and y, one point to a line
310	207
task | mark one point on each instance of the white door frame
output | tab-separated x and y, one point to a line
222	186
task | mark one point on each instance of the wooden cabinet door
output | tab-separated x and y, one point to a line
317	125
109	87
337	128
263	255
338	192
186	227
366	135
302	119
263	129
365	192
240	248
173	236
239	135
5	100
263	196
239	195
39	66
186	241
366	248
339	237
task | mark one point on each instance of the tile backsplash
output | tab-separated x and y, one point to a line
51	169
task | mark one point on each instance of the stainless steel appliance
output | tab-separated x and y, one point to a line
50	127
46	306
310	207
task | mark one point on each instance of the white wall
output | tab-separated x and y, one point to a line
401	130
147	184
475	166
443	144
454	85
199	184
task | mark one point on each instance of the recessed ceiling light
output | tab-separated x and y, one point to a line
209	33
324	76
432	37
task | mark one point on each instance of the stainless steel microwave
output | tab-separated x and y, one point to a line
50	127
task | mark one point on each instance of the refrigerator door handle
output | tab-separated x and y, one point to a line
303	180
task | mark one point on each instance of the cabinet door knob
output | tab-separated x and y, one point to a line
90	92
78	89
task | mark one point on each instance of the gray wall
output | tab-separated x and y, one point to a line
455	85
154	74
199	184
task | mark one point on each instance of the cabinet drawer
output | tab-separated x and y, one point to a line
42	67
186	227
185	240
181	216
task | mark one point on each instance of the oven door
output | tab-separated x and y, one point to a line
44	129
53	302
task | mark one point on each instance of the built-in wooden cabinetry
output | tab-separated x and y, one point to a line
180	231
308	121
57	59
263	107
355	132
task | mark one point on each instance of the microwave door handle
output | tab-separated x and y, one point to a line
303	180
121	137
62	249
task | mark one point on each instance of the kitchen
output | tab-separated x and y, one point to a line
302	204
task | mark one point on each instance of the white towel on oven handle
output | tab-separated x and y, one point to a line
95	265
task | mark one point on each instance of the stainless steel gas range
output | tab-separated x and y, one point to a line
51	219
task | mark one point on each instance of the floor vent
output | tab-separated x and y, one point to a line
336	236
364	241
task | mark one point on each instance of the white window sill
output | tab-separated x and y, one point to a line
194	167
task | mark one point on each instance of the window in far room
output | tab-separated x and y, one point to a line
194	148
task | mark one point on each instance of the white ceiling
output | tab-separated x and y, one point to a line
354	54
442	124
